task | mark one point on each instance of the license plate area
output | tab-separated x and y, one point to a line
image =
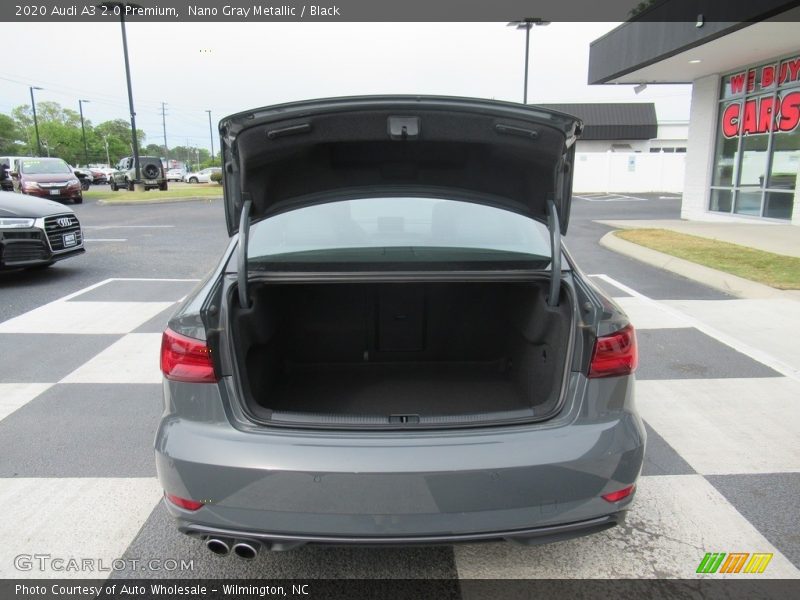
55	192
150	182
70	239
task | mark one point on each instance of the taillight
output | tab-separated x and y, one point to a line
619	494
615	354
186	359
184	503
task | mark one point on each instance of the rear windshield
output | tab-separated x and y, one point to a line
53	166
399	230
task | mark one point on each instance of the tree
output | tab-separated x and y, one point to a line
12	137
60	134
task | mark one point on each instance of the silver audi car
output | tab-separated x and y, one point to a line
396	347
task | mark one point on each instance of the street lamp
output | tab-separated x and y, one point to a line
211	135
526	24
83	131
120	7
35	121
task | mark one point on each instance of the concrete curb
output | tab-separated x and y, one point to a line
725	282
157	201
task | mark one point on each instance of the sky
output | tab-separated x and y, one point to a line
229	67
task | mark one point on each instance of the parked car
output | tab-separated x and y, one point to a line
99	176
84	176
47	178
175	175
151	173
396	347
203	176
35	233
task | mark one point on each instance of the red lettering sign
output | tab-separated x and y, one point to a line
730	121
790	112
751	80
737	83
767	76
761	115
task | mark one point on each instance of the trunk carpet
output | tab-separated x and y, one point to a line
396	388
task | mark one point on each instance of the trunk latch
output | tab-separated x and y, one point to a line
402	419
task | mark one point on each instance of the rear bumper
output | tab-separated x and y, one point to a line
531	537
540	481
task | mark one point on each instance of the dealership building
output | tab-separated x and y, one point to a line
743	147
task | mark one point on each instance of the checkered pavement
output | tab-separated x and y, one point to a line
80	398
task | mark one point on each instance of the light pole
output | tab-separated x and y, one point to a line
35	120
108	157
120	8
211	135
526	24
83	131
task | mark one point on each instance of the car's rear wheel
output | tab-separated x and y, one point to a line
130	186
192	179
163	186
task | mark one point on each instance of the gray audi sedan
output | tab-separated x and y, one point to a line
396	347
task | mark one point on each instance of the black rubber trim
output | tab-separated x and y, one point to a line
536	535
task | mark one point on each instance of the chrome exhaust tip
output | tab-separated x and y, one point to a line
218	546
246	550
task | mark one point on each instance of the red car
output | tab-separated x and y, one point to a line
47	178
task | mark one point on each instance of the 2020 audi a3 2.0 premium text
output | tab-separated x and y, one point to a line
396	347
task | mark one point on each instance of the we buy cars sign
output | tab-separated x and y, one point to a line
767	113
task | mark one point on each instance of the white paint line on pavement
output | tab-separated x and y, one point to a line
132	359
84	517
644	315
669	197
674	521
94	286
735	343
16	395
84	317
727	426
128	226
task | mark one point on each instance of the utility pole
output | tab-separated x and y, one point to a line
164	125
83	131
108	158
35	121
211	135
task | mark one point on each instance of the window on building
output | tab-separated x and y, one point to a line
757	153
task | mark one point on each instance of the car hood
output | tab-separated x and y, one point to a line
20	205
504	154
48	177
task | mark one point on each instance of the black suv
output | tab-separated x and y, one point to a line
151	172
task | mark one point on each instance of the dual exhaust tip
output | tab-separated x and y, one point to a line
246	549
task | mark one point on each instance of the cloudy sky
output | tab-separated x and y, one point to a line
227	67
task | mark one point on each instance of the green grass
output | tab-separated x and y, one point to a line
200	190
775	270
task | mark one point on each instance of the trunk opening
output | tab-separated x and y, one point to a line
401	354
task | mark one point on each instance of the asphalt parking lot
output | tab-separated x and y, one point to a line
80	397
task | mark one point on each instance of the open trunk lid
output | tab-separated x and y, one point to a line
504	154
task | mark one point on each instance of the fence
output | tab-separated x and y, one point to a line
628	172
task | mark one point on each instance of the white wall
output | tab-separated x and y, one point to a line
628	172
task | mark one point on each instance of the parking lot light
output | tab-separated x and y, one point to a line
120	7
526	24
